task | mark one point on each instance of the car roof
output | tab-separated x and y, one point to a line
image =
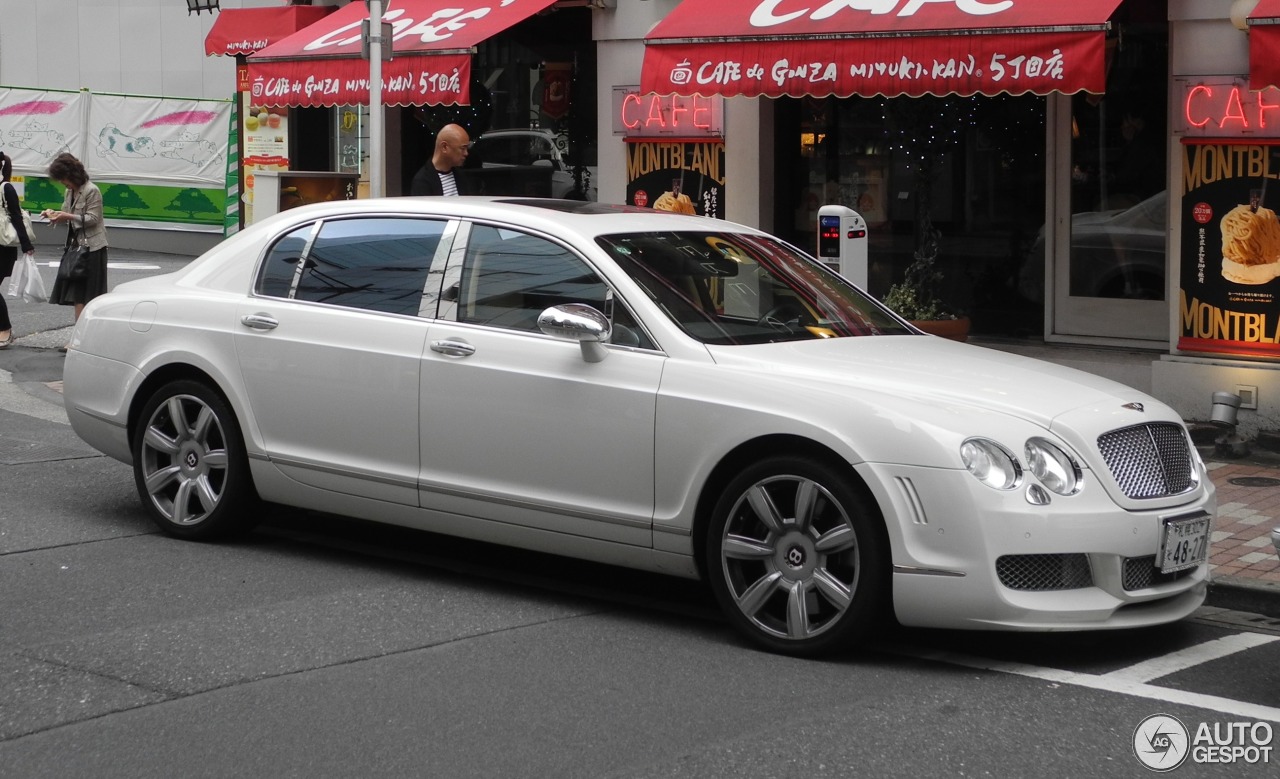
584	218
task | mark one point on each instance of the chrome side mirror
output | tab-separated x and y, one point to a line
578	322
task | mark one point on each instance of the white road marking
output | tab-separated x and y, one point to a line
1239	709
116	265
1191	656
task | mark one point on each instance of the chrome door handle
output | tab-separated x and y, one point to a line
259	321
455	348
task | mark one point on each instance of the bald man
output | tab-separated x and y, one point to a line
437	176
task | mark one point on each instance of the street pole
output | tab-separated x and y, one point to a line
377	145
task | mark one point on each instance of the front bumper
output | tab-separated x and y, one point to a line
969	557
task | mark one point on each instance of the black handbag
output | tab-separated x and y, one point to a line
75	256
75	261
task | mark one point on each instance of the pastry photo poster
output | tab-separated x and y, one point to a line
1229	295
686	178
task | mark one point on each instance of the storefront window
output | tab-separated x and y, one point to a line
531	85
1118	176
958	179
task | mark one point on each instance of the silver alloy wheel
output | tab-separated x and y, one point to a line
790	558
184	459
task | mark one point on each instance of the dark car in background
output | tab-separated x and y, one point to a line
525	162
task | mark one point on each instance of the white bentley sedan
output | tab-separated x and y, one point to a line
670	393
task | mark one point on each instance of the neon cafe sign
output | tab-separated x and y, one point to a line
637	115
1227	108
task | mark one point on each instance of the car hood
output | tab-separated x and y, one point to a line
931	370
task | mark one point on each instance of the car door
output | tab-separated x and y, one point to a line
516	426
330	350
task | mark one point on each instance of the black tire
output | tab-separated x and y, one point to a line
798	581
189	464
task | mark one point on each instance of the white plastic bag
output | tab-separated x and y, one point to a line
26	282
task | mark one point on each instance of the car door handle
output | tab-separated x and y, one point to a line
259	321
455	348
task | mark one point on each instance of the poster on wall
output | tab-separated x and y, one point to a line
158	161
1230	281
265	146
687	178
38	125
139	139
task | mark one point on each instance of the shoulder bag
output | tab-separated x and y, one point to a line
75	255
9	233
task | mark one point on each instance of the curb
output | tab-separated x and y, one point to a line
1240	594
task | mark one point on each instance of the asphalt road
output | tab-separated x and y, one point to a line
322	647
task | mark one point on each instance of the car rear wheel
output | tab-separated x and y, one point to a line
795	557
189	463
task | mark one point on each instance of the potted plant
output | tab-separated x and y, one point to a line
918	124
916	297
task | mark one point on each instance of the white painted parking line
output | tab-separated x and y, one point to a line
1191	656
1240	709
116	265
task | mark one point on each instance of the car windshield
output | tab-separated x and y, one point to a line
730	288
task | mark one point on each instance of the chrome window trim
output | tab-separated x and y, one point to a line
433	289
302	258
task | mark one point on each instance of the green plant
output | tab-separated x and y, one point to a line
907	302
916	296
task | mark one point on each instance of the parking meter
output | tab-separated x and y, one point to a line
842	242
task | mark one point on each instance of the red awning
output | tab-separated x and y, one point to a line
246	30
793	48
431	65
1264	45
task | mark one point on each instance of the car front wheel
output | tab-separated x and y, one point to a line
189	463
795	557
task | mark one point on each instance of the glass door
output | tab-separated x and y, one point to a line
1110	262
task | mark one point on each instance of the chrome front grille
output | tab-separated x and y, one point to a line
1141	573
1044	572
1149	461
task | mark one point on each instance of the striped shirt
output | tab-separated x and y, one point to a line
448	184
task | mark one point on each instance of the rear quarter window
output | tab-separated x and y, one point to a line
376	264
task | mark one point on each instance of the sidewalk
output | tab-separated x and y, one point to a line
1246	569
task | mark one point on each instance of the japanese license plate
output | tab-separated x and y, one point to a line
1184	543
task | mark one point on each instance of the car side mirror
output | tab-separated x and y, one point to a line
578	322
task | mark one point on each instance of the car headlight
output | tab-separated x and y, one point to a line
991	464
1054	468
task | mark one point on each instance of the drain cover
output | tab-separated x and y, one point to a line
1255	481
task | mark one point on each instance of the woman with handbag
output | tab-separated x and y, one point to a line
82	274
9	254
